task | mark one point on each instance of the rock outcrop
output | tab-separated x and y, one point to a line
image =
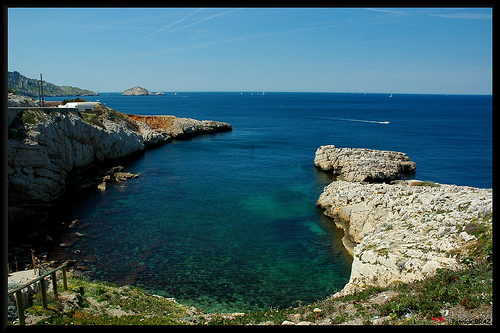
51	150
178	128
402	230
363	165
45	146
21	100
137	91
115	175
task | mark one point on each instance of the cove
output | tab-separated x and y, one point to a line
216	228
228	221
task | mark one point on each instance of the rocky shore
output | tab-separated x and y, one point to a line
363	165
180	128
400	231
51	150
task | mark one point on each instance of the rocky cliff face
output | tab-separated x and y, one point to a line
50	149
404	230
44	147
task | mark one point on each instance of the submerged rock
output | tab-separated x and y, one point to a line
115	175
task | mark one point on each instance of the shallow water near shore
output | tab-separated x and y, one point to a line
228	222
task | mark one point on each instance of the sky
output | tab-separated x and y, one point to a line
367	50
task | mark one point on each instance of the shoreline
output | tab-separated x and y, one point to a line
357	205
53	150
398	230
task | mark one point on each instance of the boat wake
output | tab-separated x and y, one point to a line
355	120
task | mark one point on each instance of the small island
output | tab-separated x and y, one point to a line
139	91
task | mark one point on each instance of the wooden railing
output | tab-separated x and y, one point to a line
43	290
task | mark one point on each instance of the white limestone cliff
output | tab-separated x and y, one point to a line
357	164
45	146
403	230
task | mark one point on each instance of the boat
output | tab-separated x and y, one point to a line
385	122
390	96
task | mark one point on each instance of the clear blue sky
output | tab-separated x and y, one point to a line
374	50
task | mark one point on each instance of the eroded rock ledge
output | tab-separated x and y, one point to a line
178	128
363	165
404	230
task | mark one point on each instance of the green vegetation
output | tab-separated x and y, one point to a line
78	99
33	117
92	118
105	304
124	118
470	288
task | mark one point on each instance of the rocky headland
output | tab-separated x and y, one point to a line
400	230
50	151
179	128
363	165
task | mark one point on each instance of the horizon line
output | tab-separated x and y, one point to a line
272	91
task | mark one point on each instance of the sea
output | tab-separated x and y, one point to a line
227	222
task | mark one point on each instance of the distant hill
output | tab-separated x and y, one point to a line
23	85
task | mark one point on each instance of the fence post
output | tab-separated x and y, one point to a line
65	282
54	284
44	293
20	307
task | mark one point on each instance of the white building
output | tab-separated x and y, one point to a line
81	106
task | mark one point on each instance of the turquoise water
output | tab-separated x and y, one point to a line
227	222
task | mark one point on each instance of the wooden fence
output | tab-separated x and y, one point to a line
43	290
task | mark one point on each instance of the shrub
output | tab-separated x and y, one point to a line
78	99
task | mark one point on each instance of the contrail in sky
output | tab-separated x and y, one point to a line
205	19
154	34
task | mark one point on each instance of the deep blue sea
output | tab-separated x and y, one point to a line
228	222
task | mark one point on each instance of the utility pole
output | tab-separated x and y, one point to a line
41	81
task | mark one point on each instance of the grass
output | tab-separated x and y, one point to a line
470	288
92	118
143	308
33	117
